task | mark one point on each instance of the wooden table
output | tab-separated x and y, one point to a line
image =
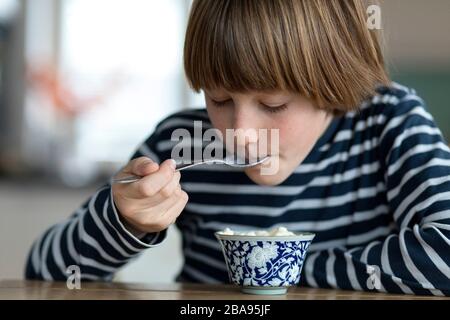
37	290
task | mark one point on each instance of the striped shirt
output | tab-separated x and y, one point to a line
375	189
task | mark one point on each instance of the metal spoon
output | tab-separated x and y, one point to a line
227	161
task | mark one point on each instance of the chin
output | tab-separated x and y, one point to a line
267	179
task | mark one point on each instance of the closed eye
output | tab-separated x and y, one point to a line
274	109
267	108
221	103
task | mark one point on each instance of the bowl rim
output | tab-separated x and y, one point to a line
299	236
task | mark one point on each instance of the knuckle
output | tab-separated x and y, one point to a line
167	174
146	190
166	192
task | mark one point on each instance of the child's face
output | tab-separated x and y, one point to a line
300	125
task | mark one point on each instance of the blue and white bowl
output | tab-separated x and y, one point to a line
265	264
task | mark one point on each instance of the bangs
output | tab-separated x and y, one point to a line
320	49
236	48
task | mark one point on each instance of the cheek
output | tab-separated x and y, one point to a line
290	132
296	135
218	119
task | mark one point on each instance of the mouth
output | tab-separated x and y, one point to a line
265	163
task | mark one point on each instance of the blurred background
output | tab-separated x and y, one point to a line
84	82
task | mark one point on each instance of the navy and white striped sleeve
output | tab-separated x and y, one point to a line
415	258
93	238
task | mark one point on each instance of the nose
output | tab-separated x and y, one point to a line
245	131
245	125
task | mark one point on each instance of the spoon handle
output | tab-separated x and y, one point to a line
134	178
124	180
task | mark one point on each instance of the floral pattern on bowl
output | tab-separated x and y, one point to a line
265	263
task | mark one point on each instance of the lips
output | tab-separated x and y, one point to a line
265	163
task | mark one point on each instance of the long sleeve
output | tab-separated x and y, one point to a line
93	238
415	258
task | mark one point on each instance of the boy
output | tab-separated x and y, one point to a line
361	162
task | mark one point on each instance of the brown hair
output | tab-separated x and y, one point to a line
321	49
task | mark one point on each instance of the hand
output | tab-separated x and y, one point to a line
154	202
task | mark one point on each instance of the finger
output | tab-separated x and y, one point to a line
166	192
176	209
151	184
165	204
171	187
141	166
169	190
169	210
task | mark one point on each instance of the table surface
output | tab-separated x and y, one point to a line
36	290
